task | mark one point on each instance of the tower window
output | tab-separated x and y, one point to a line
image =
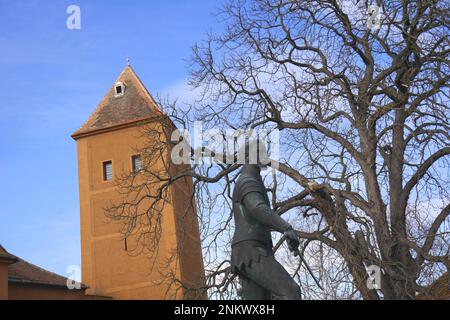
107	170
119	89
137	163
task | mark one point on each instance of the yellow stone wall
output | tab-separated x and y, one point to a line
106	267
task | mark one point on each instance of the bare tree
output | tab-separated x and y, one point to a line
361	99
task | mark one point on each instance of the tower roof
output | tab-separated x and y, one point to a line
133	104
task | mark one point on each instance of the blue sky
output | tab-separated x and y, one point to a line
51	79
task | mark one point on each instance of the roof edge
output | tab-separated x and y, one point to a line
78	135
6	257
153	104
42	283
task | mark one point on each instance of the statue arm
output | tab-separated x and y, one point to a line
256	205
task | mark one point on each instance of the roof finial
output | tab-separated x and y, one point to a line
128	61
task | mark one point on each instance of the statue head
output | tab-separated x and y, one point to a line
254	152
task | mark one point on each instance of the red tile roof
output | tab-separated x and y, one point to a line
25	272
136	104
6	256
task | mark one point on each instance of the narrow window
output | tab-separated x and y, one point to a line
137	163
118	90
107	170
125	244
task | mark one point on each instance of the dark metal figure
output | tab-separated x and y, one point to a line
252	255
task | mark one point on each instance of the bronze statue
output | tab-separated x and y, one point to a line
252	256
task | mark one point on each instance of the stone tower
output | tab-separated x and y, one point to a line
107	144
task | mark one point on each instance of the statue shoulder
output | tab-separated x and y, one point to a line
246	184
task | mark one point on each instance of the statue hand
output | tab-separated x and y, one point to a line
292	240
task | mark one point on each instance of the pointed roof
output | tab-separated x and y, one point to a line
135	105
